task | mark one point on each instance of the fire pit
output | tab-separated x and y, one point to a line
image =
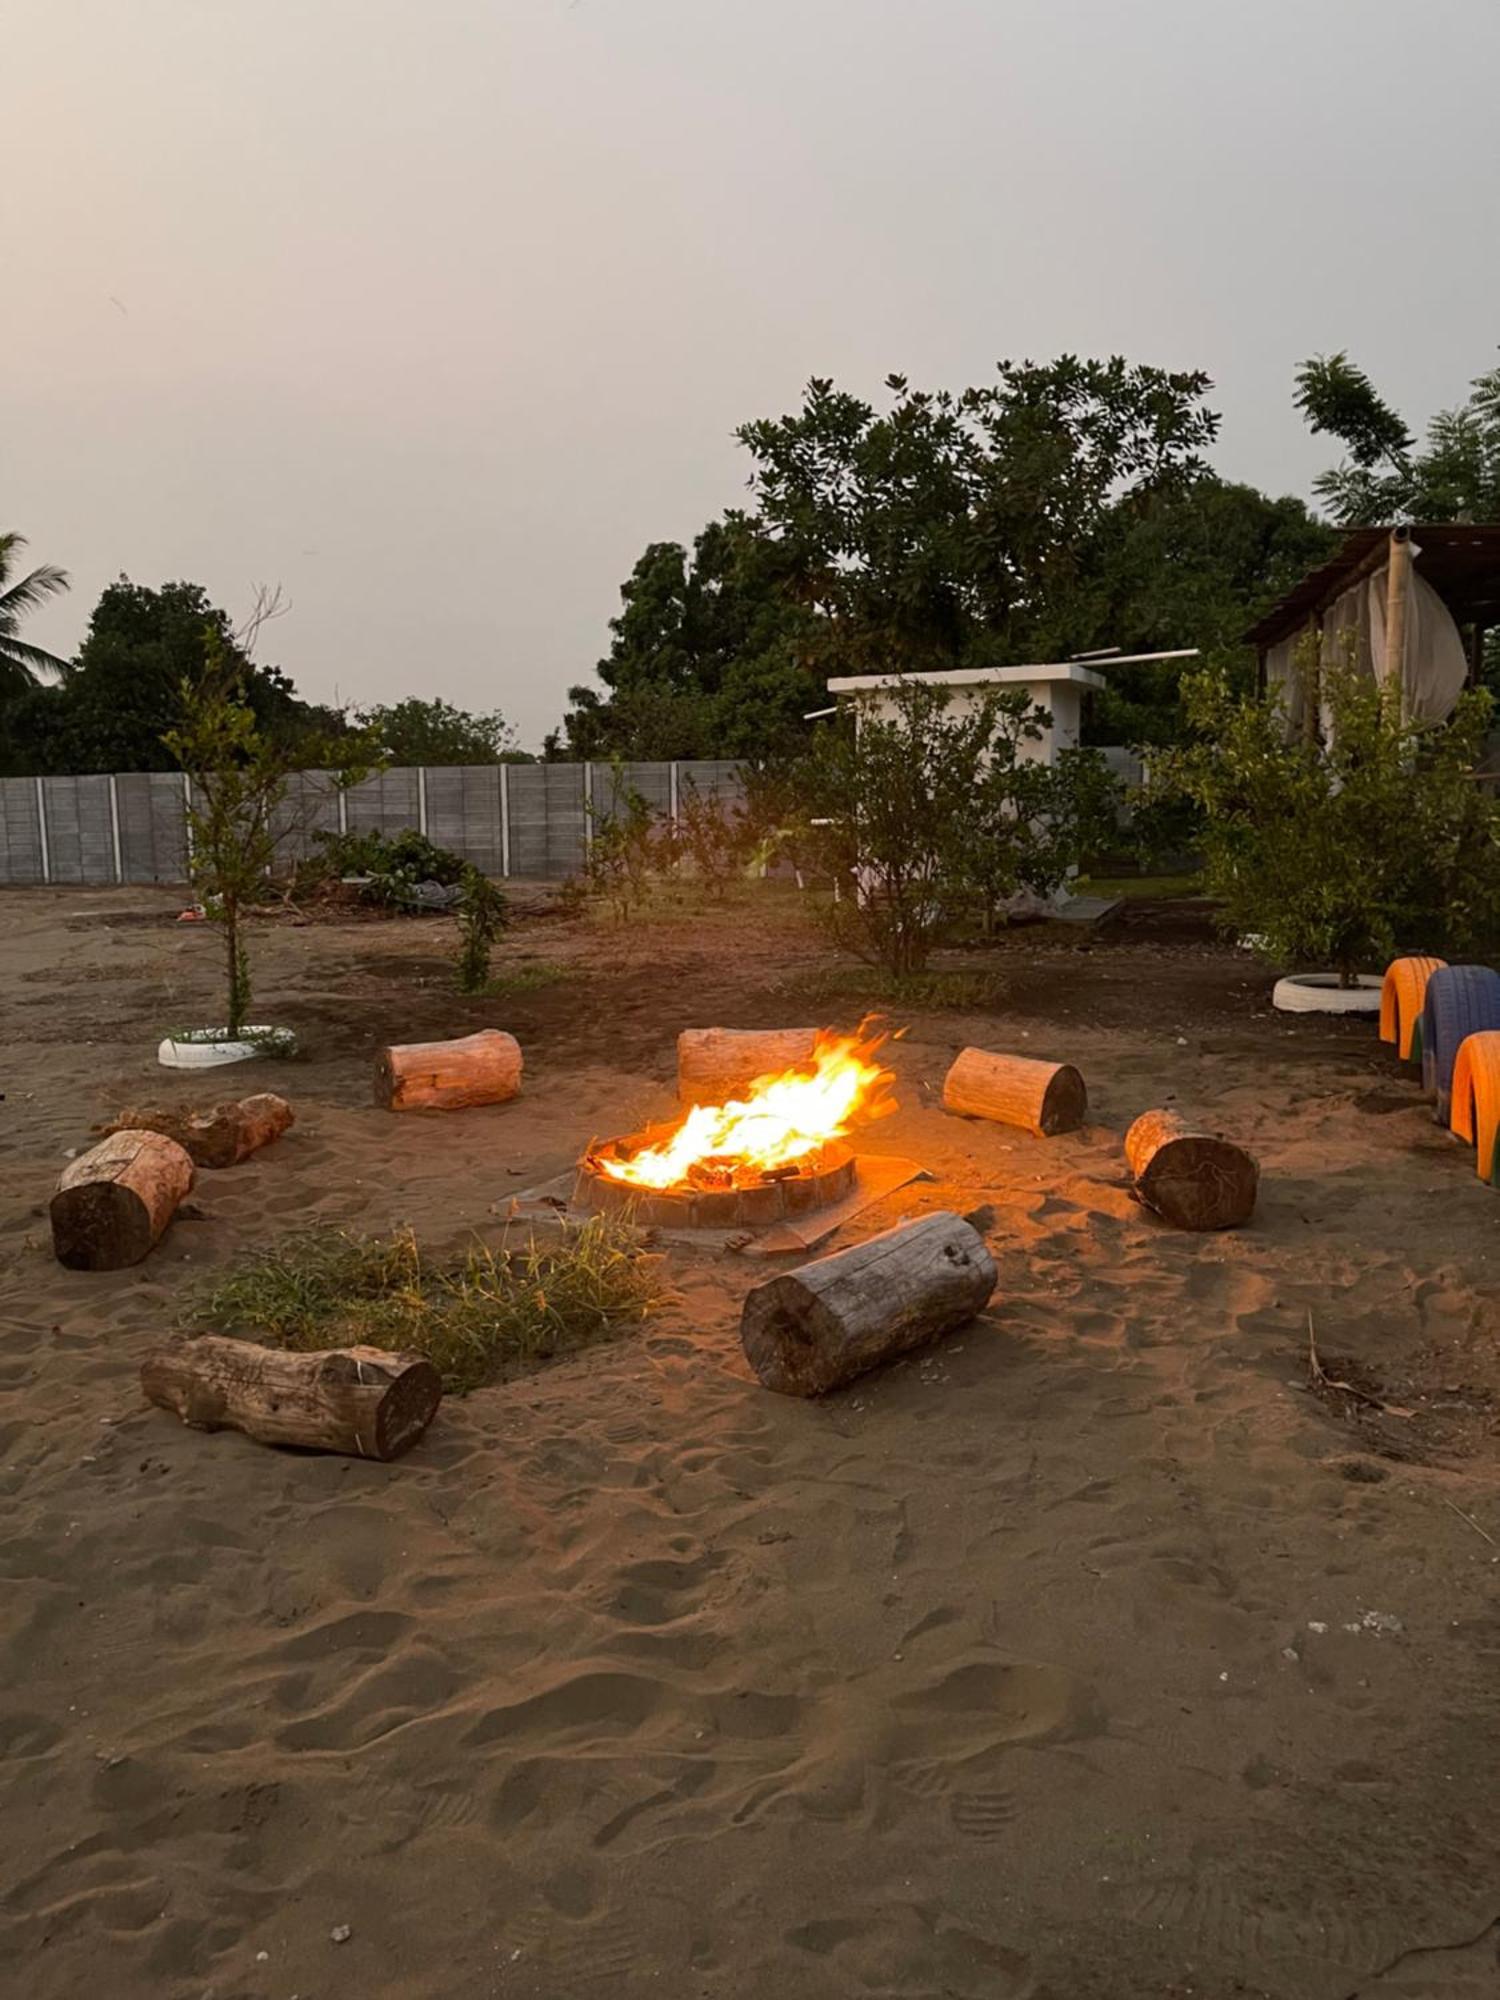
752	1162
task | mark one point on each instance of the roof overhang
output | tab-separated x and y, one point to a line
1460	560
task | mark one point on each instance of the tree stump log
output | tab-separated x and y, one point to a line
115	1200
1042	1098
717	1064
223	1137
1192	1179
818	1327
449	1076
359	1400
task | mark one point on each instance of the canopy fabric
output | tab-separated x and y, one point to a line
1434	670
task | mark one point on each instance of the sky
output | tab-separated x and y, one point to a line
436	312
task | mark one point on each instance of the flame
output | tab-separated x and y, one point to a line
785	1118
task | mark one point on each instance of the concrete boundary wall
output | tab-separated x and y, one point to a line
529	820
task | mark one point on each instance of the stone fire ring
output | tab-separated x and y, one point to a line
823	1177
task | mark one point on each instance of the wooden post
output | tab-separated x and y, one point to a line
816	1328
1312	679
1397	597
1192	1179
1042	1098
1476	654
359	1400
114	1201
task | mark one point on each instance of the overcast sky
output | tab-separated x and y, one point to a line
437	311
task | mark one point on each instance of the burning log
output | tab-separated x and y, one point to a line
449	1076
223	1137
114	1201
715	1065
1042	1098
818	1327
359	1400
1192	1179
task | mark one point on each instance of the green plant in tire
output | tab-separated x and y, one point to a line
1335	851
482	915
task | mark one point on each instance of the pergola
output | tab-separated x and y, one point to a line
1460	561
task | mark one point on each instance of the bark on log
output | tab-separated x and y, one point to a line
359	1400
815	1328
449	1076
115	1200
1043	1098
717	1064
1192	1179
223	1137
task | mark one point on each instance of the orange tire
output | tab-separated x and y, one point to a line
1402	992
1474	1109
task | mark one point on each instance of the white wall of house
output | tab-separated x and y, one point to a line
1057	688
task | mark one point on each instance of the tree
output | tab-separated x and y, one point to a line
933	814
238	773
20	662
1339	854
707	654
1388	476
415	731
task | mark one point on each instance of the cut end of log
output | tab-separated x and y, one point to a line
114	1201
1043	1098
1194	1180
471	1070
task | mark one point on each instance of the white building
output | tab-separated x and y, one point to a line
1058	688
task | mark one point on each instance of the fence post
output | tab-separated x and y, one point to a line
114	828
41	827
504	819
672	790
588	807
187	824
422	800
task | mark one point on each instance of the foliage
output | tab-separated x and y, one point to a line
934	815
479	1315
391	863
238	779
712	838
115	704
481	918
435	733
1388	476
20	662
624	850
1338	855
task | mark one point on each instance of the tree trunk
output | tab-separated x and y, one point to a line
114	1201
1043	1098
815	1328
223	1137
449	1076
717	1064
1192	1179
359	1400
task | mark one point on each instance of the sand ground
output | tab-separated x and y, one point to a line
1085	1656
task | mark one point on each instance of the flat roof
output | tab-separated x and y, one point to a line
1056	670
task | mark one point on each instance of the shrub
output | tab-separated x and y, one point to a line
1337	854
481	918
392	863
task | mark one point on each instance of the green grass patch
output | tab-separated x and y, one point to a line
525	978
480	1315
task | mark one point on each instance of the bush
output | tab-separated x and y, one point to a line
393	863
1337	855
481	918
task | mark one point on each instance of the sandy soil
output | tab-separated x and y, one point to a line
1087	1655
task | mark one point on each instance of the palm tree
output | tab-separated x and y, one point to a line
21	664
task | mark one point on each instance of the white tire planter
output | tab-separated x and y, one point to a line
211	1048
1321	993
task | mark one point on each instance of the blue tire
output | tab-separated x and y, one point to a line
1460	1000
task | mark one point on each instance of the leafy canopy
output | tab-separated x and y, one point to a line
1453	475
22	664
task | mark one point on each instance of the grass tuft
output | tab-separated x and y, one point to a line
480	1315
525	978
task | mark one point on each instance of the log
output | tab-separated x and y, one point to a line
815	1328
359	1400
449	1076
1042	1098
717	1064
1193	1179
222	1137
114	1201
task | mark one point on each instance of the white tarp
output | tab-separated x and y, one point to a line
1435	669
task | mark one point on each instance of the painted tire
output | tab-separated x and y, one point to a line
207	1055
1474	1111
1401	997
1460	1000
1321	993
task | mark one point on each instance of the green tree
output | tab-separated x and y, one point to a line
1336	855
1454	475
415	731
21	663
931	814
